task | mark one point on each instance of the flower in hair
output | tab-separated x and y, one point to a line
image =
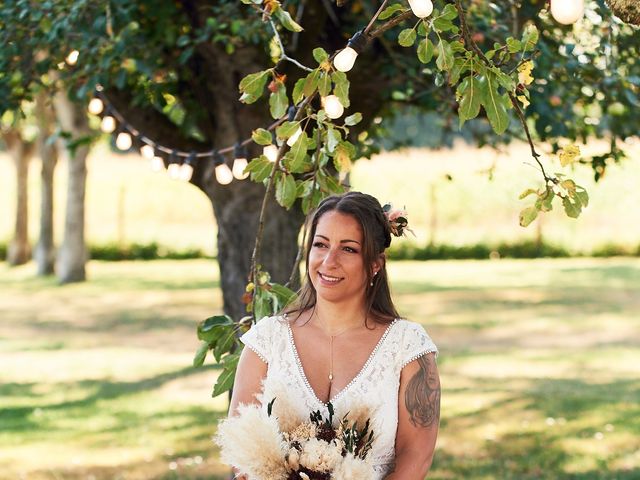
397	219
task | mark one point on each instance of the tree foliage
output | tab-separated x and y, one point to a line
503	70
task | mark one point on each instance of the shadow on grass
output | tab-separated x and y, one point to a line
20	419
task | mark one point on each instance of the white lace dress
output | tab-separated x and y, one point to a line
376	386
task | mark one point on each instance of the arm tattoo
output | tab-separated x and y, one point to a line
422	397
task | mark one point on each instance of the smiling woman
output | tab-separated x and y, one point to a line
342	348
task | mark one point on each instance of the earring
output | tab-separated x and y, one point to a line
374	276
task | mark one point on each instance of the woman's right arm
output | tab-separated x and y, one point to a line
248	383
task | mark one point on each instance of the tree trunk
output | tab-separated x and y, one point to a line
19	250
44	253
626	10
72	256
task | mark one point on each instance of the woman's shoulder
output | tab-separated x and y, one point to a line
406	325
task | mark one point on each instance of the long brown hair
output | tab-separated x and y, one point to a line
376	236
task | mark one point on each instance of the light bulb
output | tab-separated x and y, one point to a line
294	138
332	106
421	8
271	152
174	171
239	164
345	59
108	124
223	174
123	141
567	12
147	151
96	106
157	164
186	172
72	58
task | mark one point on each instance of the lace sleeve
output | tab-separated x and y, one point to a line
259	338
416	342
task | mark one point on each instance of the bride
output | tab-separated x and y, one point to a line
343	343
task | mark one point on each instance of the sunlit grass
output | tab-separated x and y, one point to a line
538	362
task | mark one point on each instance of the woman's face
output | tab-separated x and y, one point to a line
336	265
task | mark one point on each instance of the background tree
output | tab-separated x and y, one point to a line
172	70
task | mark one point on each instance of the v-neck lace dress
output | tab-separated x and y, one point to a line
374	387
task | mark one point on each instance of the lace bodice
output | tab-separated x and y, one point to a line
375	387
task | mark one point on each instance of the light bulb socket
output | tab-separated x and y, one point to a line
191	159
358	42
218	158
173	157
239	151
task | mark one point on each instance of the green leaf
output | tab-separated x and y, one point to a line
298	90
324	84
390	10
527	192
260	168
582	196
225	342
286	188
341	88
493	103
283	294
407	37
287	129
253	85
227	376
449	12
311	83
527	216
334	137
445	56
320	55
345	152
470	99
544	203
201	354
425	50
286	20
278	102
572	209
354	119
530	38
297	153
514	45
261	136
210	329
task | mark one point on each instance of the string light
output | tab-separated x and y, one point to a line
333	107
421	8
124	141
96	106
271	152
174	167
567	12
108	124
72	58
157	164
186	169
239	161
345	59
224	176
147	151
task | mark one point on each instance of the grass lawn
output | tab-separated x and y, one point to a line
539	364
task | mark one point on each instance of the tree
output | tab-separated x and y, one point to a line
21	150
171	70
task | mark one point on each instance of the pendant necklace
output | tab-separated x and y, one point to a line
331	337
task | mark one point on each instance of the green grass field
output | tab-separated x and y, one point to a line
539	364
128	203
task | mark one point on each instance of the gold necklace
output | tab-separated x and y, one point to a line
331	337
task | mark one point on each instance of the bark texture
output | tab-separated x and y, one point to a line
19	249
44	253
72	256
626	10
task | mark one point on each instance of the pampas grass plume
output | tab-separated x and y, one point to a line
251	442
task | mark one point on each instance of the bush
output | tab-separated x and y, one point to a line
480	251
3	251
152	251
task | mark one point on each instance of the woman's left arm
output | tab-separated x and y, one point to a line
418	418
